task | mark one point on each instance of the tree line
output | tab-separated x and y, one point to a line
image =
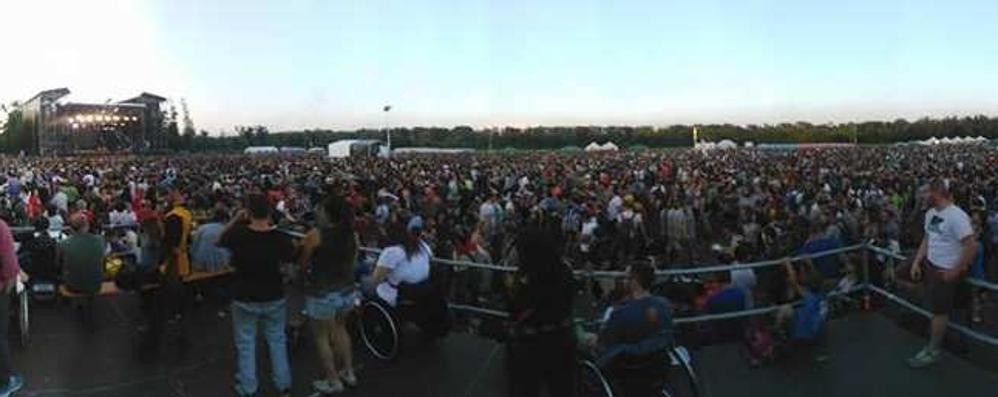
870	132
181	135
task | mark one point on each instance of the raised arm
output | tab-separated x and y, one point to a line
308	245
792	278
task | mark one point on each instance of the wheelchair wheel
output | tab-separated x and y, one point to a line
379	330
592	382
683	380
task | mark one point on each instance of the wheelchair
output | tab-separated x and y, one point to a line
381	324
668	373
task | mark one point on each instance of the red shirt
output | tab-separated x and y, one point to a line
34	206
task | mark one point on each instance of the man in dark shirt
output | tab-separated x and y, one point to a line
258	250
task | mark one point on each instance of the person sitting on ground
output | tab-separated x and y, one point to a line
81	256
804	326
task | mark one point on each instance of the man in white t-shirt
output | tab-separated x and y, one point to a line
944	256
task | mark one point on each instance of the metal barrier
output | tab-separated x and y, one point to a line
727	268
991	340
662	273
865	286
862	287
972	281
963	329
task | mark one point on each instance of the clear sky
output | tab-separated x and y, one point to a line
334	63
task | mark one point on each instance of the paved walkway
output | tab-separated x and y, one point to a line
868	353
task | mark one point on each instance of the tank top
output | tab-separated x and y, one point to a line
330	269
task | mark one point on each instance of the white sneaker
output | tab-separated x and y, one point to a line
349	378
924	358
326	386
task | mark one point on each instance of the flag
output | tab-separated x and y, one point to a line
387	108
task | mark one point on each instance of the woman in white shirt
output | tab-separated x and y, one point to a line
408	261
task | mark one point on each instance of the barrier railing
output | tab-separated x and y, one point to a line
865	286
969	280
661	273
963	329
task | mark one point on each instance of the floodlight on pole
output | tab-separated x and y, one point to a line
388	130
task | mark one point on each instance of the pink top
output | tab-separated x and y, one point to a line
9	268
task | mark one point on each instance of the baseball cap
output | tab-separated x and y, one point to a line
415	224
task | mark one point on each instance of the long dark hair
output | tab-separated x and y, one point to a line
338	231
547	293
410	240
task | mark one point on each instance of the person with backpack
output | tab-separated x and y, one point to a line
804	326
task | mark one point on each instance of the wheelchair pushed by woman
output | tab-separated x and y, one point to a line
634	354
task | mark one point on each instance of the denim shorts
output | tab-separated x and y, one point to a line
323	307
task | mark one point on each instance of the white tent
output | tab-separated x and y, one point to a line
727	144
606	147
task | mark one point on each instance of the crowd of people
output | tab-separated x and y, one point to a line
605	211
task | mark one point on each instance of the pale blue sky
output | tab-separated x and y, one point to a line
303	64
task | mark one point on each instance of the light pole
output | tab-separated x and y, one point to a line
388	130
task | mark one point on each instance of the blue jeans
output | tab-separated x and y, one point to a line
246	316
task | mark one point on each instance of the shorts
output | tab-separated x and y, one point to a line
944	296
324	307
